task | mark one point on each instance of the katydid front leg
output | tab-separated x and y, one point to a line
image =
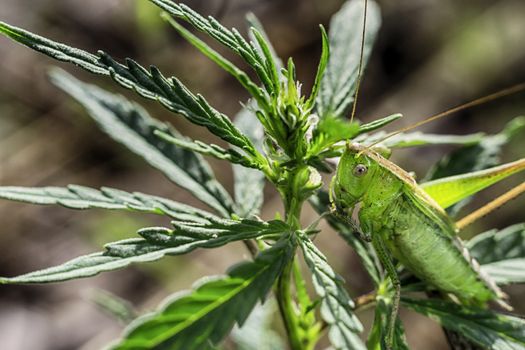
386	260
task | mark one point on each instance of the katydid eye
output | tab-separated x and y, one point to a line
360	170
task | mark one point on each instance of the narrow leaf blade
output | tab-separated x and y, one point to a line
156	243
339	81
501	253
249	183
336	305
80	197
131	125
479	156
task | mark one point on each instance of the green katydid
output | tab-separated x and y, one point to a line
407	221
402	220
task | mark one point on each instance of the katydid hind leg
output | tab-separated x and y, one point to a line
386	260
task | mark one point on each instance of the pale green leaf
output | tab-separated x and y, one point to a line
447	191
378	123
336	305
486	328
131	125
257	332
417	138
340	79
249	183
482	155
204	316
156	243
117	307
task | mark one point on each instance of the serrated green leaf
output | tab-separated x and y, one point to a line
130	125
501	253
323	62
249	183
336	305
254	22
482	155
231	39
321	204
80	197
486	328
205	315
171	93
378	123
222	62
231	155
157	242
340	79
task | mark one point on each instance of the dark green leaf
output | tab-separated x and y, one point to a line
336	305
130	125
156	243
483	327
321	204
171	93
249	52
80	197
205	315
376	339
340	79
501	253
254	22
482	155
222	62
249	183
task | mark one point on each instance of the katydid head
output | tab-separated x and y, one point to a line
355	173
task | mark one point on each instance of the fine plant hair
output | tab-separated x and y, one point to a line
282	138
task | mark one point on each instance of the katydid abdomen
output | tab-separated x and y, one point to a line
433	255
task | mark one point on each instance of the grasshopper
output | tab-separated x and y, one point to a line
407	221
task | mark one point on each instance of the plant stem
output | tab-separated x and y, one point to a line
284	284
286	307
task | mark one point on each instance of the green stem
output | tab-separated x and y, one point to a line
287	309
284	284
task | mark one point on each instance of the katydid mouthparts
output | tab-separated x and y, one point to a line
406	221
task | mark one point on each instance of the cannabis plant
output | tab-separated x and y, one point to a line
284	138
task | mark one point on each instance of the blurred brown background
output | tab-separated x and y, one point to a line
431	55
